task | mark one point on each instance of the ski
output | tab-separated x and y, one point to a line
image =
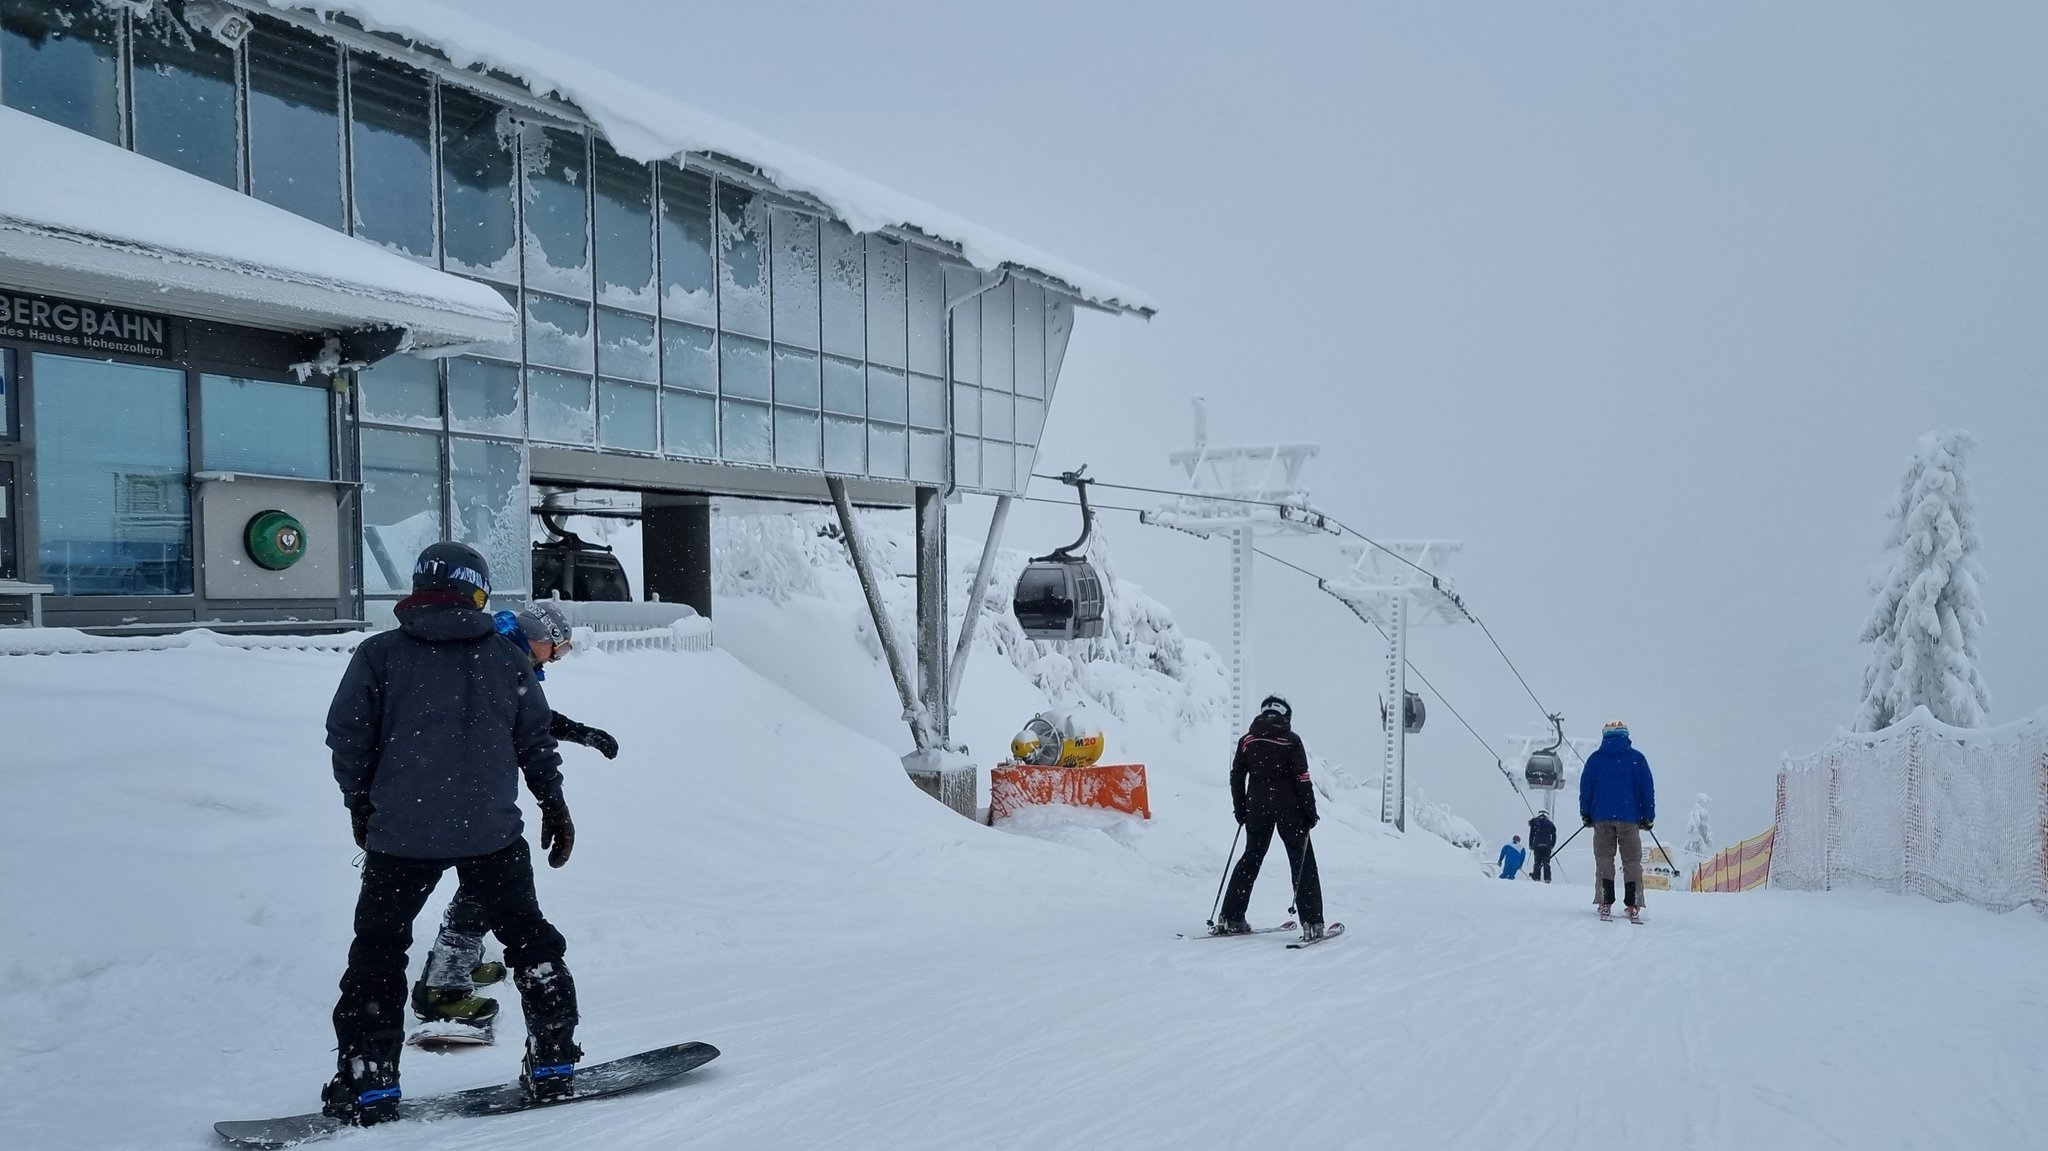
1329	933
1287	926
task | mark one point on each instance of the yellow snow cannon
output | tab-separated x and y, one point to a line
1054	739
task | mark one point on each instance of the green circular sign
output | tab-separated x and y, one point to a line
275	540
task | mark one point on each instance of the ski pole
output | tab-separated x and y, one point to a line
1307	845
1567	842
1226	875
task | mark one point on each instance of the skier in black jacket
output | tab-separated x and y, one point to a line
431	728
445	996
1270	791
1542	841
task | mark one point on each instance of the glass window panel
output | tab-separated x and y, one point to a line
112	507
556	162
928	456
625	416
558	333
558	408
184	95
996	338
687	270
689	357
927	312
401	505
796	440
967	461
796	278
1024	457
1059	324
927	401
998	416
400	390
796	378
843	307
1030	340
744	368
742	261
846	386
966	409
392	157
479	215
61	60
886	296
967	341
746	432
265	427
846	446
483	398
625	345
487	480
625	230
1030	420
295	123
887	452
888	399
689	425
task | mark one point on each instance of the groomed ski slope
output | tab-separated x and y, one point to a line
881	973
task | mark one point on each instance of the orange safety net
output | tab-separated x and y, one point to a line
1745	866
1113	787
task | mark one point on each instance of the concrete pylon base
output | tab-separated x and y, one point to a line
947	776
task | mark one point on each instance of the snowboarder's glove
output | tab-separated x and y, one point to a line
557	833
1645	824
1238	811
1585	819
1311	819
359	824
600	741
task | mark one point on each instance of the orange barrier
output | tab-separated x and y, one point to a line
1744	867
1114	787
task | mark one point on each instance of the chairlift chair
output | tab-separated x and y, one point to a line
1059	596
1544	771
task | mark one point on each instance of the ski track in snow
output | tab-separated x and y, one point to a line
880	973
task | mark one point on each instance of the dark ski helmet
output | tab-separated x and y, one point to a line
448	566
1277	706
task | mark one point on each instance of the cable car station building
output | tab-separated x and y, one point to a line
287	293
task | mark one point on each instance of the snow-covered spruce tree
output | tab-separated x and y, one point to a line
1927	617
1699	838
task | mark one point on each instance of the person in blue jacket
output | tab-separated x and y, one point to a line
1618	800
1511	857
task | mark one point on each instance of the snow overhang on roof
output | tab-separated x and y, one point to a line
100	223
644	125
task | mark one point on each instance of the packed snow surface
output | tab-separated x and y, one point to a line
883	973
647	126
98	209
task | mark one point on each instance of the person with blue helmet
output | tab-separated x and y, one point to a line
445	997
1618	800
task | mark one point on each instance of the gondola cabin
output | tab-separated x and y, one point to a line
1059	599
1544	771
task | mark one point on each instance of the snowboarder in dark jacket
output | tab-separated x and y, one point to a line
431	728
445	996
1542	841
1270	791
1618	800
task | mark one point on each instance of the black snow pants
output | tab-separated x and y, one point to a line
369	1018
1301	862
1542	868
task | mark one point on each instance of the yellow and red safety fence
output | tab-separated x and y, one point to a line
1745	866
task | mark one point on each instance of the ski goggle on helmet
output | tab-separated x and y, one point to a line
1277	706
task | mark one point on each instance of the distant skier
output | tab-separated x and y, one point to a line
431	727
1618	800
1542	841
1270	791
1511	857
445	996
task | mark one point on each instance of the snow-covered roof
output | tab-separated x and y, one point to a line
101	223
647	126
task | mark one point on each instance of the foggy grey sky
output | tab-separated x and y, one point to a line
1646	304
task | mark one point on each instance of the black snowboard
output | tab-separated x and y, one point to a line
596	1080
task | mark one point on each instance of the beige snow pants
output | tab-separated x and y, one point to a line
1607	836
